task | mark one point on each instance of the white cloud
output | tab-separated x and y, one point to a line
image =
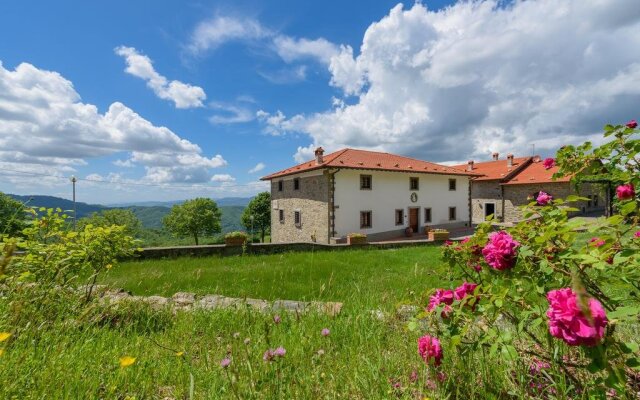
214	32
292	49
479	77
230	113
286	76
123	163
224	178
43	125
259	167
141	66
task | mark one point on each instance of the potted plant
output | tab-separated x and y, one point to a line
235	238
438	234
356	238
408	232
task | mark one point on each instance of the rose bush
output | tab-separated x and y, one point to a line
544	293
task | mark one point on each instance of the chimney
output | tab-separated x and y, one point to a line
470	165
536	158
495	156
319	153
510	160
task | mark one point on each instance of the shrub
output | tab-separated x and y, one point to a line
236	235
545	295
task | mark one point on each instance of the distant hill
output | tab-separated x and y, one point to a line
83	209
149	215
225	201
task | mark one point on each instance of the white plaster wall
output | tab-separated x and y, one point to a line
390	191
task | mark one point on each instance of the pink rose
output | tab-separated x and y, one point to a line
442	296
549	163
567	322
637	234
430	350
597	242
625	192
463	290
500	252
632	124
544	198
465	240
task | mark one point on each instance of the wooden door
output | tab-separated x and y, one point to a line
413	218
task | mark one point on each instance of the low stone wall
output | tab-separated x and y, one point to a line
265	248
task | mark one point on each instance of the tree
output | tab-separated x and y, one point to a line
195	217
120	217
12	216
260	208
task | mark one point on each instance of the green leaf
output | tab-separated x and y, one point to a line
624	312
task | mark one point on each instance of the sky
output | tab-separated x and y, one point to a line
170	100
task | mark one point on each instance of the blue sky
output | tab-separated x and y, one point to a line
205	92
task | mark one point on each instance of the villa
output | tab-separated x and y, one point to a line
506	184
379	194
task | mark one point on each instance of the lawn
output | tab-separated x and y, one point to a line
366	279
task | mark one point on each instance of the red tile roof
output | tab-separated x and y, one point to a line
371	160
496	170
536	173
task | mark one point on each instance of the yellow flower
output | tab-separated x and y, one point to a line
180	354
4	336
109	266
127	361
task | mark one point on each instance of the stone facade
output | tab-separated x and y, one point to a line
311	200
519	195
483	193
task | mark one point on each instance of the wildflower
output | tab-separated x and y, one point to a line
4	336
180	354
430	350
276	319
500	252
320	352
537	366
325	332
626	191
463	290
247	341
127	361
568	322
280	352
549	163
268	355
544	198
225	362
632	124
637	234
596	242
414	376
236	335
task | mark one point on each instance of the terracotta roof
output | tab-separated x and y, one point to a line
496	170
536	173
371	160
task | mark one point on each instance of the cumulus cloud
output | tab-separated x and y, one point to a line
291	49
44	123
224	178
231	113
141	66
479	77
259	167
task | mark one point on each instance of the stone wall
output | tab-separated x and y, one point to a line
311	199
518	195
485	192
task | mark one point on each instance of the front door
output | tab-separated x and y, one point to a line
413	218
489	209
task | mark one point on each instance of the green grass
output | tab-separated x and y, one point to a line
359	278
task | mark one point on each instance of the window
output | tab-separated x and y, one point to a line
365	182
399	217
414	183
365	219
281	216
427	215
452	213
297	219
296	184
280	186
452	184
